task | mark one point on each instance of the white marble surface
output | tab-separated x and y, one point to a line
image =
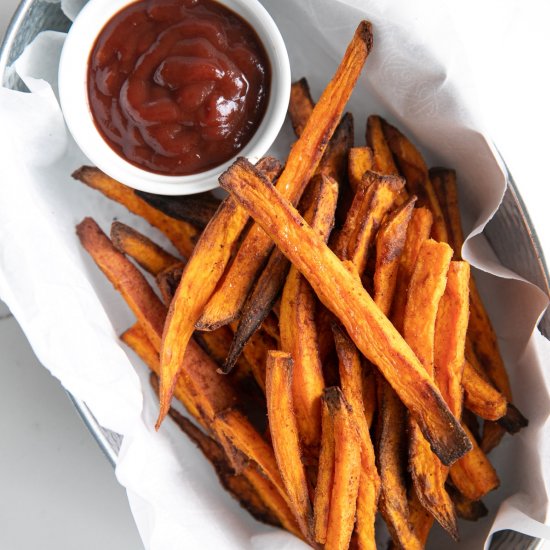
58	491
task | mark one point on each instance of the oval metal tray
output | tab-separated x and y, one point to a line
510	225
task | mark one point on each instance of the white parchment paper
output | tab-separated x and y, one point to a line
72	317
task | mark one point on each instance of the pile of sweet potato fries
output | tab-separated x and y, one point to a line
330	294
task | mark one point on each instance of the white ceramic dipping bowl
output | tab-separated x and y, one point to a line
73	72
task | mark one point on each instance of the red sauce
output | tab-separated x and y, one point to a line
178	86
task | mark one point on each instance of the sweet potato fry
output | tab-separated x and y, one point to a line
414	169
426	289
297	323
379	199
284	436
369	482
300	106
182	234
418	232
242	435
196	209
473	475
383	158
301	164
149	255
513	420
360	159
393	503
325	475
390	242
199	279
480	396
344	295
271	326
126	278
450	335
347	470
470	510
420	519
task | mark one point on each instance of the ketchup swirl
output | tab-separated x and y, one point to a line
178	86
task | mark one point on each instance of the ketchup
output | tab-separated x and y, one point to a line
178	86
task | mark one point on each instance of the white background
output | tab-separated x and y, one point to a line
52	473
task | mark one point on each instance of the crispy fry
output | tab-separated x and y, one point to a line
369	483
236	428
414	169
418	231
149	255
284	436
450	335
301	164
379	199
513	420
126	278
195	209
325	475
300	106
297	323
182	234
393	502
383	158
420	519
473	475
390	242
480	396
271	326
347	470
360	159
425	291
343	293
470	510
202	272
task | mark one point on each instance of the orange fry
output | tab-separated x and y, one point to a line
344	295
360	159
301	164
383	158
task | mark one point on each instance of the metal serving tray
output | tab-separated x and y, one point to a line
511	225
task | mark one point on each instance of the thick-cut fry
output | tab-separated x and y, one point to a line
301	164
200	276
360	159
426	288
325	475
182	234
195	209
126	278
393	502
284	436
480	396
383	158
418	232
347	470
473	475
415	171
470	510
390	242
379	199
344	295
369	483
300	106
149	255
450	335
297	323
